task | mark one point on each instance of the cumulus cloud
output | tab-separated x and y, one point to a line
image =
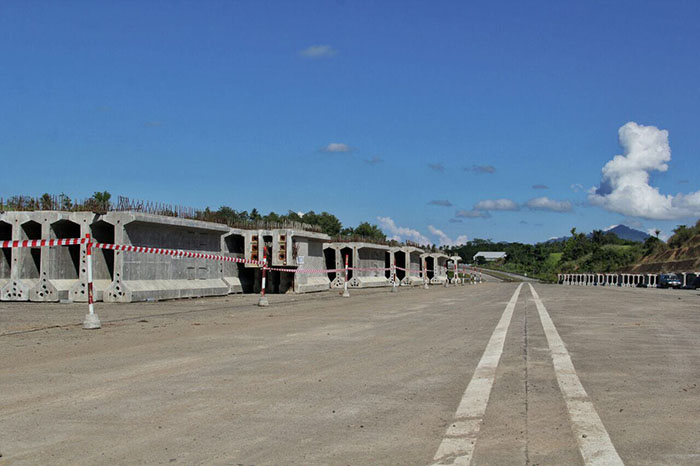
472	214
444	240
336	147
440	202
374	160
318	51
540	186
496	204
625	188
488	169
438	167
401	233
576	187
545	203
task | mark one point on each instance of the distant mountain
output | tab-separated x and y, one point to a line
621	231
630	234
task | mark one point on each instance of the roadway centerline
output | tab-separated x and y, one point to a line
458	445
593	440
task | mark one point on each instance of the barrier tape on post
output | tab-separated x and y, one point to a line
40	243
91	321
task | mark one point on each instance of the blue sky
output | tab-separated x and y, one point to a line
368	110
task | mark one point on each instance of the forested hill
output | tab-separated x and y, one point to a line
680	254
596	252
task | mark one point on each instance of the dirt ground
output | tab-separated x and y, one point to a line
319	379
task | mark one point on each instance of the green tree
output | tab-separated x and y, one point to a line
64	202
100	201
367	230
46	202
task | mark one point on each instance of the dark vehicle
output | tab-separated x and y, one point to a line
693	284
669	280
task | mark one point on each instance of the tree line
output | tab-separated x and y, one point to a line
101	202
597	252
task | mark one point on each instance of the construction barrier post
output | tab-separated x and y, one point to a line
262	302
393	277
346	294
447	279
91	321
425	274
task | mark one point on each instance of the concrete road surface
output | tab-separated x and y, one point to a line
474	374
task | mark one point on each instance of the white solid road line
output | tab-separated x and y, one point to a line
458	445
593	440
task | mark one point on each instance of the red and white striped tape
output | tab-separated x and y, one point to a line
39	243
175	253
180	253
309	271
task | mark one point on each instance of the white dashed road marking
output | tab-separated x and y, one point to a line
458	445
593	440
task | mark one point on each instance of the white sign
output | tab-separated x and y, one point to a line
300	260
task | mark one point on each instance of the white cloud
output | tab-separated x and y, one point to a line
336	147
577	187
496	204
318	51
401	233
444	240
625	188
545	203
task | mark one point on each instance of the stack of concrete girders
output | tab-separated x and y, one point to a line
334	260
5	253
141	276
436	263
409	258
289	249
237	277
60	272
360	255
49	273
307	252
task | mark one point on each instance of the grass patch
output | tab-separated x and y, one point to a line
553	259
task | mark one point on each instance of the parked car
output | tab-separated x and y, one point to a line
669	280
693	285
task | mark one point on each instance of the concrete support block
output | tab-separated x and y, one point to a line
308	254
140	276
25	263
409	257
